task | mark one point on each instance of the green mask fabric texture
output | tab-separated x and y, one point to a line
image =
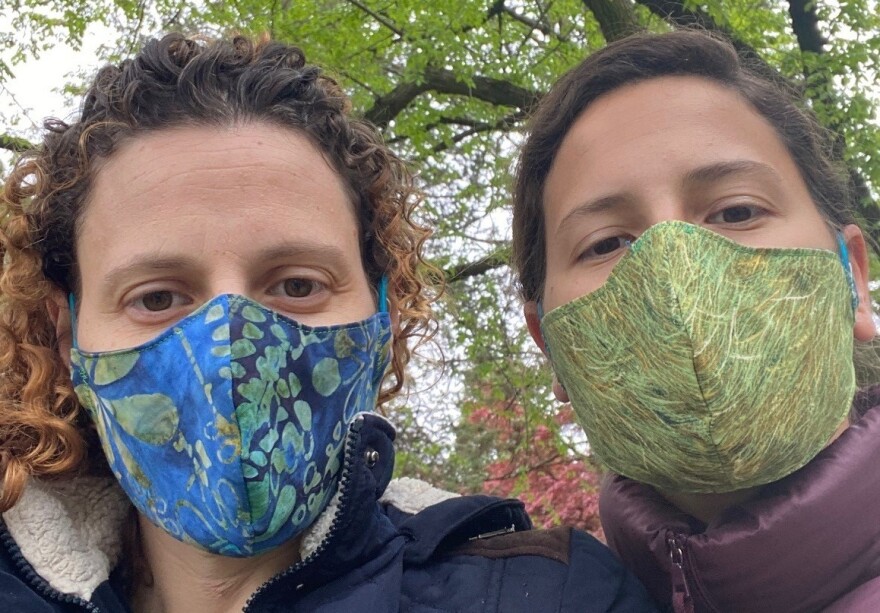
702	365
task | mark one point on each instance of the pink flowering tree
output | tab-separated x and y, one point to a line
532	461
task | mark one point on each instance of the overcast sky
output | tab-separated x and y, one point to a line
35	91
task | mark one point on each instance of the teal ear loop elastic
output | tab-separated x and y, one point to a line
71	304
847	267
383	294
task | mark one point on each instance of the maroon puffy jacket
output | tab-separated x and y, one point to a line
809	542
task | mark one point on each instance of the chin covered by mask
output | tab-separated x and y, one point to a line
227	430
703	365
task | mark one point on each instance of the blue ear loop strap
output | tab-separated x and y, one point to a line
847	268
71	304
383	295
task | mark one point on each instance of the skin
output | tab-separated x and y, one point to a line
180	216
676	148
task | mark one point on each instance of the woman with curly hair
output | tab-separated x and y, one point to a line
214	275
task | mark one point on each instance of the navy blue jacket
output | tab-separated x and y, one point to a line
469	553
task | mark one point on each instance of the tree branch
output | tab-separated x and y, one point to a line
478	127
675	12
442	81
543	28
616	17
380	18
14	143
805	23
475	269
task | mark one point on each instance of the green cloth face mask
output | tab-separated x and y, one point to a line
702	365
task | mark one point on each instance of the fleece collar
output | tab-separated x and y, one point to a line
807	540
70	532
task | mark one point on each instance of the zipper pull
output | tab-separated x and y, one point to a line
681	594
487	535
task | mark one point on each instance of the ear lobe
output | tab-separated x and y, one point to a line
59	314
864	328
559	391
533	321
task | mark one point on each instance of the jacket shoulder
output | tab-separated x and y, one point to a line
584	574
477	553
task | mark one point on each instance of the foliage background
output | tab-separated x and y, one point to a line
450	85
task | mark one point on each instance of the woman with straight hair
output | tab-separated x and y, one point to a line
692	266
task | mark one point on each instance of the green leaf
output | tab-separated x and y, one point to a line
152	418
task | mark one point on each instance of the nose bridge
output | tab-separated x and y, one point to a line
665	204
229	277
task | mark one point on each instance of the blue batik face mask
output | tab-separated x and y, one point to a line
227	430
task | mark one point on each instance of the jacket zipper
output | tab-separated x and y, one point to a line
351	443
40	585
682	601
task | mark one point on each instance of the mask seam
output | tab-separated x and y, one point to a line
711	417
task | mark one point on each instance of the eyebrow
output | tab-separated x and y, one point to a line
724	170
155	262
593	207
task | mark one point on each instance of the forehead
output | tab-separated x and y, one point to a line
206	188
660	129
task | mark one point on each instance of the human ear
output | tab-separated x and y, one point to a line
59	314
533	322
863	329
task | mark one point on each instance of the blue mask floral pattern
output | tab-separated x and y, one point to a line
227	430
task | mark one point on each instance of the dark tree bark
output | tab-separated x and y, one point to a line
493	91
616	18
805	23
474	269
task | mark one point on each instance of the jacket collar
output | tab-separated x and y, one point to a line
805	541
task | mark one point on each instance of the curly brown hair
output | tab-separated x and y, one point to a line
175	81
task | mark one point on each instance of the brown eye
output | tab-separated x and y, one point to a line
608	245
157	301
298	288
737	214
